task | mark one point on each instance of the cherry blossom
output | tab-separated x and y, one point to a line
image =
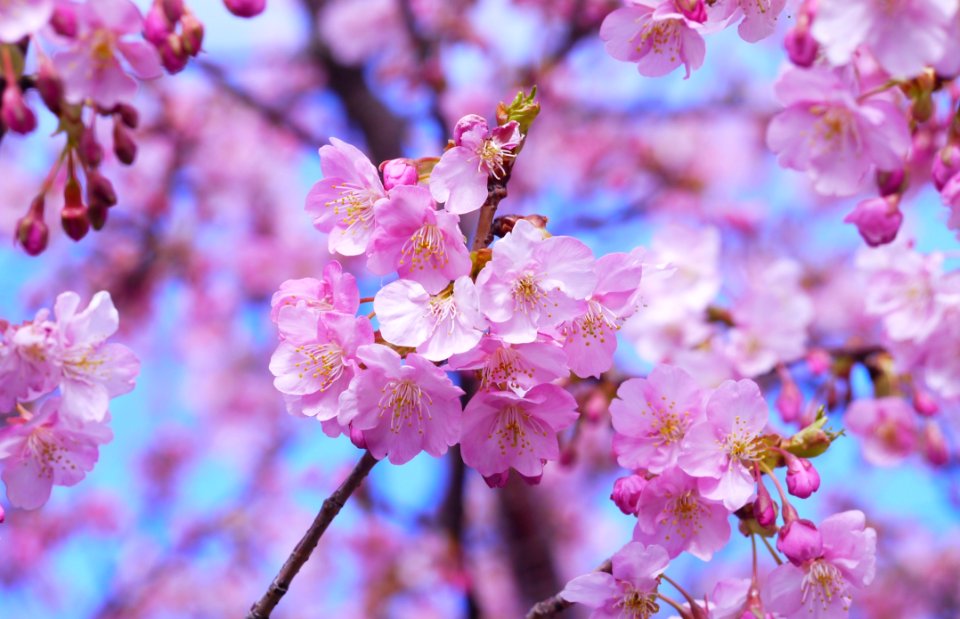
519	367
630	590
336	292
655	35
888	427
18	18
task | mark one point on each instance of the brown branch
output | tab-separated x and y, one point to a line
331	507
555	604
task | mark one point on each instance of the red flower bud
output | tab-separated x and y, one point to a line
64	19
764	508
192	34
877	219
128	114
173	56
157	26
73	217
173	9
626	493
15	113
32	231
100	191
49	86
802	477
89	150
245	8
123	145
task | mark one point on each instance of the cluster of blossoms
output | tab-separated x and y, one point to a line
57	376
87	69
698	457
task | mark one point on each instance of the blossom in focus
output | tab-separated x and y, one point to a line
90	67
519	367
877	219
18	18
48	449
630	590
402	409
757	18
336	292
832	133
342	202
459	179
655	35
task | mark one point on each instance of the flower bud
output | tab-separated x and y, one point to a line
356	437
764	508
64	19
32	231
890	183
245	8
398	172
924	403
157	26
945	165
626	493
49	85
128	114
173	9
802	477
73	217
694	10
100	191
802	48
935	449
15	114
877	219
173	56
89	150
97	215
123	145
790	401
800	541
192	34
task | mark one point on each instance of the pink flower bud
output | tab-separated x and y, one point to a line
173	56
49	85
15	113
173	9
123	145
398	172
694	10
73	217
192	34
790	401
765	508
100	192
890	183
97	215
802	477
945	165
245	8
32	231
64	19
626	493
800	541
802	48
356	437
89	150
924	403
877	219
935	449
157	26
128	114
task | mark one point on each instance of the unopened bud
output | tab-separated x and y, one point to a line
800	541
935	449
49	85
97	215
89	150
100	191
802	48
173	57
192	34
357	438
802	477
128	114
398	172
877	219
123	145
924	403
157	26
945	165
626	493
173	9
15	113
32	231
245	8
890	183
64	19
764	508
73	217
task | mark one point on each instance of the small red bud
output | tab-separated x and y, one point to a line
123	145
64	19
32	231
173	9
245	8
192	34
15	113
172	54
49	86
97	215
89	150
157	26
73	217
100	191
128	114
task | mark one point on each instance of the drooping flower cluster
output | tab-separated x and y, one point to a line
57	376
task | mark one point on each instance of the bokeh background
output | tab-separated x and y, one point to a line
209	482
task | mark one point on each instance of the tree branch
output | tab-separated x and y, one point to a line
331	507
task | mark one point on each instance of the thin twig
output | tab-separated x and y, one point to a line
331	507
554	604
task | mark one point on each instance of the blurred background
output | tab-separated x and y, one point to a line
209	483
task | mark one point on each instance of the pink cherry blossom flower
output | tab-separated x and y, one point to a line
823	587
519	367
759	17
18	18
29	361
316	360
504	430
402	409
459	179
93	370
342	202
905	36
336	292
534	284
655	35
417	241
888	427
722	449
89	68
674	514
651	417
48	449
630	590
832	133
437	326
591	339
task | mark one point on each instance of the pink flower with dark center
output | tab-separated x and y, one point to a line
93	370
888	427
655	35
652	416
533	284
18	18
342	202
822	587
903	35
723	449
336	292
628	591
90	67
316	360
503	430
591	339
437	326
833	133
417	241
459	179
48	449
674	514
519	367
402	409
